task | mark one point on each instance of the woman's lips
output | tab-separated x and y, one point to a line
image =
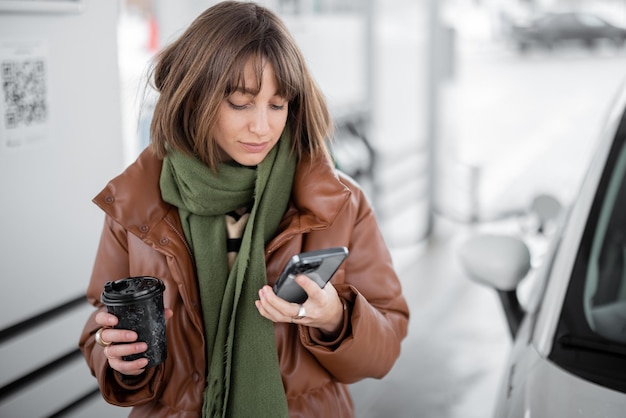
254	147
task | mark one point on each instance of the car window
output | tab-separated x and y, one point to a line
605	284
590	338
592	21
554	22
565	22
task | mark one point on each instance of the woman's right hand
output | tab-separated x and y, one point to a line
123	343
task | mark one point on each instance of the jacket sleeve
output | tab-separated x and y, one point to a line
377	312
111	263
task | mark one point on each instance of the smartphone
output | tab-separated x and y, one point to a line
319	265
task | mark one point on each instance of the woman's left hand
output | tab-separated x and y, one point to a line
324	309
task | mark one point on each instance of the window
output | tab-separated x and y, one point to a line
590	339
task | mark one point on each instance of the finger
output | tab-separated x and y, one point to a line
118	336
168	313
106	319
275	308
129	368
116	353
262	311
310	287
330	290
270	303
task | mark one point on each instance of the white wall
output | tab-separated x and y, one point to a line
52	169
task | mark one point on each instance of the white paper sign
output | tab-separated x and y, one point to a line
24	105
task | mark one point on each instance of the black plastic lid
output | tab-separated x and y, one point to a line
130	290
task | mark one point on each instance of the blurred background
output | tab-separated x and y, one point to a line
453	114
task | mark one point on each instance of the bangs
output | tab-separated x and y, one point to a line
288	82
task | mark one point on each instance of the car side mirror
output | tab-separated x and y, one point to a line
500	262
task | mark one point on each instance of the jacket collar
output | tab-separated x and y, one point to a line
318	193
133	198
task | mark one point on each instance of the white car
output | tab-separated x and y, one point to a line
569	352
551	29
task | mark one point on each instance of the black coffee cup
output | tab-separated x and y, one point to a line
138	304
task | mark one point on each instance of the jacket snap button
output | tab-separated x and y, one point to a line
196	376
165	241
144	228
109	199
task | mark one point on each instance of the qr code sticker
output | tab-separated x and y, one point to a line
24	88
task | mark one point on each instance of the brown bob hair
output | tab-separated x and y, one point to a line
206	64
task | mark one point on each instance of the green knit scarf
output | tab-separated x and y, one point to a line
243	374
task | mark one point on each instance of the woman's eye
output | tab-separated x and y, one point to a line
236	106
245	105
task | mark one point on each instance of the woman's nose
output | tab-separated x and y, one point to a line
260	123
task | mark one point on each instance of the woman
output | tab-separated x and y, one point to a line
236	181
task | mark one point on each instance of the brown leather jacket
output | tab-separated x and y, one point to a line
143	236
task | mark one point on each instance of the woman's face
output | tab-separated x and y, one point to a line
249	125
